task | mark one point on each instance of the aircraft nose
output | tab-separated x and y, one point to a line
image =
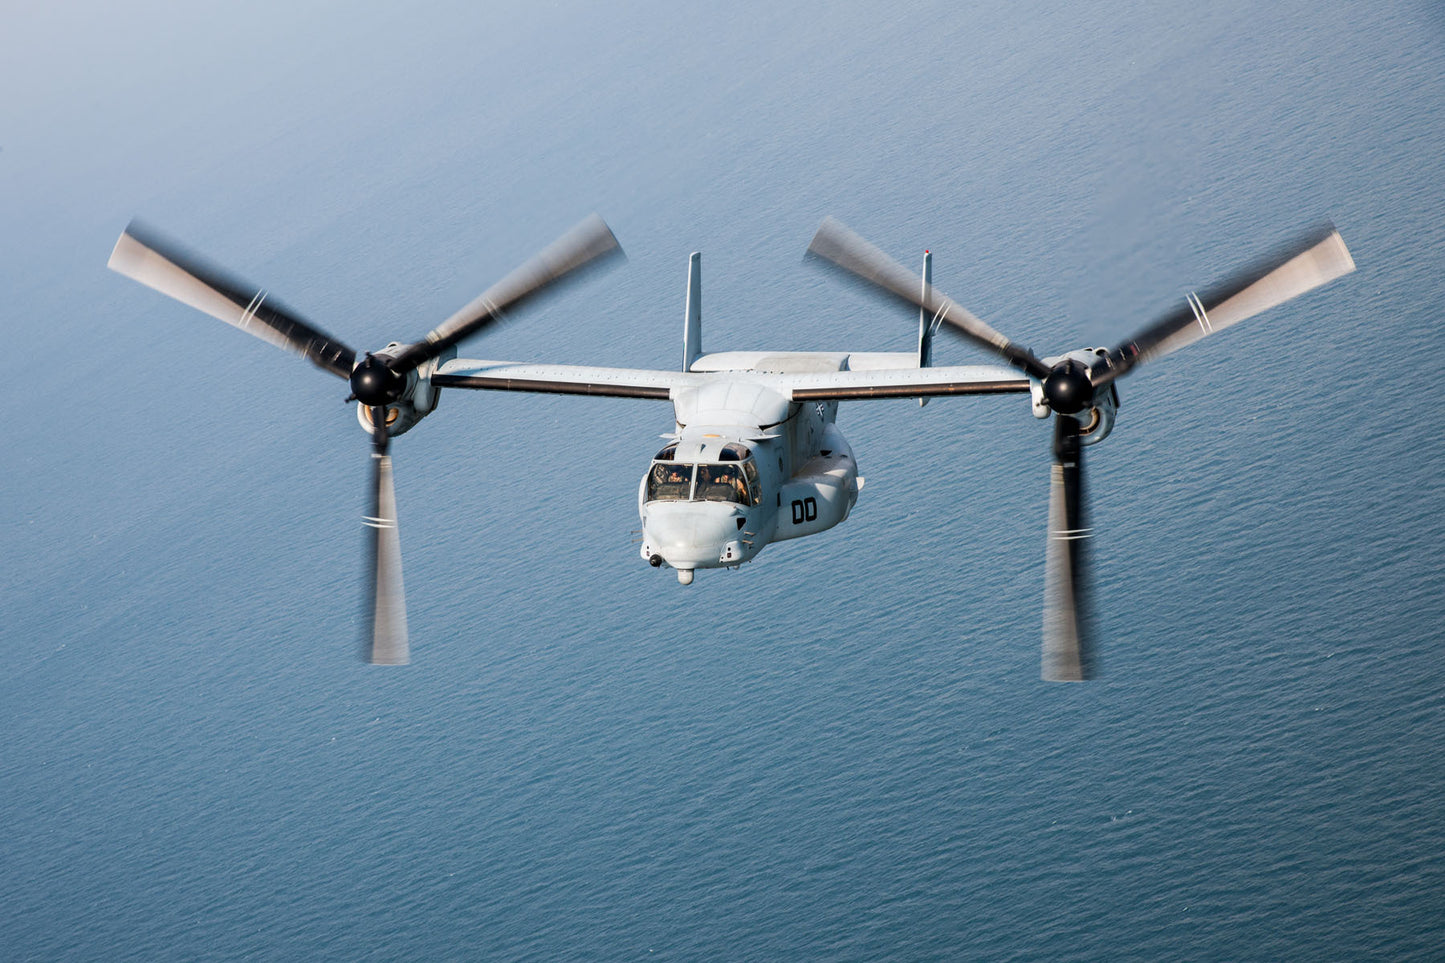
689	534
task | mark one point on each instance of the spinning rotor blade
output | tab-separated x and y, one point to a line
836	243
1314	259
388	643
144	256
590	243
1068	650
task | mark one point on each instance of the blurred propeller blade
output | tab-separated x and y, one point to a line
387	600
840	246
590	244
144	256
1317	258
1068	655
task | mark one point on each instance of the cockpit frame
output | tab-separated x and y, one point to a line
732	478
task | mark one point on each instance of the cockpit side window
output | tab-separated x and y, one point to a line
755	488
669	482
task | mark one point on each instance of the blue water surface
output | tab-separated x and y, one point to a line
843	750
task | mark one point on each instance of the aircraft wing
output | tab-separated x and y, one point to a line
900	383
571	379
565	379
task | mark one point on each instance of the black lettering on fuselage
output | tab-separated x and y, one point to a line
805	510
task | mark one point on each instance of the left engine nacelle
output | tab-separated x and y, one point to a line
1095	421
418	400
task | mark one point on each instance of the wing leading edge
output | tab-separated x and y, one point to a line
796	386
564	379
904	383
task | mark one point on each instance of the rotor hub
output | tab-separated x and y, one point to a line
375	384
1068	389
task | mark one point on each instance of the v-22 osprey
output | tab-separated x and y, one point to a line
755	455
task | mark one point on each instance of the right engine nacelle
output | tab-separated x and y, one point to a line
1096	421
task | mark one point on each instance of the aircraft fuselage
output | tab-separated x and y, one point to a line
744	468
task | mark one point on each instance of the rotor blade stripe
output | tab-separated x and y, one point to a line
248	314
1200	315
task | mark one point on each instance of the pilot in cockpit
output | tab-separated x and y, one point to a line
721	483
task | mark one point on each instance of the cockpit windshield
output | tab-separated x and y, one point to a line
735	481
721	483
669	482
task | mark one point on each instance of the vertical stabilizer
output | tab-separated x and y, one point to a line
925	323
692	330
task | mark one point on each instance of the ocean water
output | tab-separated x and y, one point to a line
841	751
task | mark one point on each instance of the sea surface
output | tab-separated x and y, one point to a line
841	751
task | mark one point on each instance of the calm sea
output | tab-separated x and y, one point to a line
842	751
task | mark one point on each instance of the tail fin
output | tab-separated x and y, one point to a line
692	330
925	323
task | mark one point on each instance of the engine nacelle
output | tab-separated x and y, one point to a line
418	400
1095	421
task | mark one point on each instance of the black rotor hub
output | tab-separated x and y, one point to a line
1068	389
375	384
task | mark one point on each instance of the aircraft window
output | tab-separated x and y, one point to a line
667	454
669	483
722	483
755	489
734	452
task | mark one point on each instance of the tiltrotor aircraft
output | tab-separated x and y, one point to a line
755	456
